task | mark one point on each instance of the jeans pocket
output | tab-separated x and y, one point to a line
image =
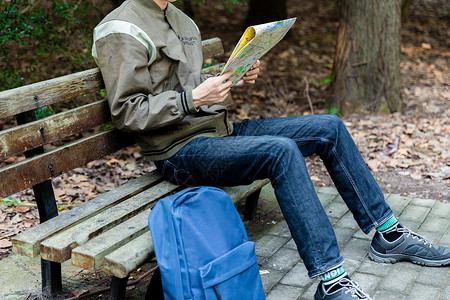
234	275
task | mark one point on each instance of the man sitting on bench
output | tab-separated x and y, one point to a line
150	56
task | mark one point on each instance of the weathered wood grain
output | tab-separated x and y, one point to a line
28	242
25	174
58	248
215	69
48	92
54	128
91	254
212	47
124	260
240	192
127	258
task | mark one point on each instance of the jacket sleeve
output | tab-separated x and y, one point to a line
134	106
203	77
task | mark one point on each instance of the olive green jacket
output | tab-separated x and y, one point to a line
150	61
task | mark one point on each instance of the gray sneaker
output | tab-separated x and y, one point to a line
344	289
408	247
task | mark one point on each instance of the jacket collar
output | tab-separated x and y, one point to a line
155	7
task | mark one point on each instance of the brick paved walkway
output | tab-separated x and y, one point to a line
285	277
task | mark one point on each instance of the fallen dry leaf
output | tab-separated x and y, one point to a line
78	293
5	244
22	208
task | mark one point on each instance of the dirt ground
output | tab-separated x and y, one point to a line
420	136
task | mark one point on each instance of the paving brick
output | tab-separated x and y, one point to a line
356	249
410	223
280	229
343	235
351	265
347	221
284	292
397	203
423	202
387	295
423	292
445	239
298	276
445	293
370	267
339	199
440	209
291	245
325	199
432	236
269	280
328	190
283	260
367	282
435	223
416	213
309	293
400	279
267	245
433	276
361	235
336	210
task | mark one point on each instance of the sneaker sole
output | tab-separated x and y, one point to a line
393	258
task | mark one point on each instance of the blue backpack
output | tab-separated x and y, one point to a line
202	247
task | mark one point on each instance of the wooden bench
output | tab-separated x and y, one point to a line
109	232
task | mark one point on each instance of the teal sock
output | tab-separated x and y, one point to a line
388	224
333	275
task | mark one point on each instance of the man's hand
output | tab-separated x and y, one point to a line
251	75
213	90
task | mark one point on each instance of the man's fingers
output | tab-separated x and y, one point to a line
226	75
251	77
224	92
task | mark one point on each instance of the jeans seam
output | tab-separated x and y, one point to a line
358	194
284	175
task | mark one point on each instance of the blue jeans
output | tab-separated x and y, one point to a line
274	149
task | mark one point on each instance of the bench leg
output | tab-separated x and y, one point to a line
46	203
50	271
118	288
51	278
251	203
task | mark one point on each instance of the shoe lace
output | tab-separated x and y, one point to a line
352	288
411	233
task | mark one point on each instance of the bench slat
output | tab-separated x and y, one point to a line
127	258
54	128
28	242
241	192
91	254
213	69
48	92
212	47
62	88
58	248
25	174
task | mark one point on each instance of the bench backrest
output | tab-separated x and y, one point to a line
30	137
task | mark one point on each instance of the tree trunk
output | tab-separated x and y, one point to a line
263	11
366	71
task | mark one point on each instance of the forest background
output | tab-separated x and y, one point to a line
43	39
